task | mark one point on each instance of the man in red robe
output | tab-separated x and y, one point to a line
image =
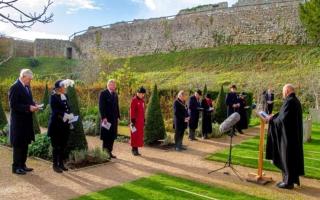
137	109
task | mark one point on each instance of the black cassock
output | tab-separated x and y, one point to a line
231	98
285	140
243	123
109	108
206	116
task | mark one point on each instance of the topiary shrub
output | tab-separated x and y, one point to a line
154	129
221	108
36	126
43	116
98	125
77	139
3	118
46	97
41	147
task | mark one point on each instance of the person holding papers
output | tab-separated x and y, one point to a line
137	110
21	124
110	114
59	124
207	106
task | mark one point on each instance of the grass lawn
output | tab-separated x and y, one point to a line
166	187
246	154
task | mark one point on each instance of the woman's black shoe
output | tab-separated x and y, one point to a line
57	169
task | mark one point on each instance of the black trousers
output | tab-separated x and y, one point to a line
20	155
178	138
107	144
290	179
58	155
269	108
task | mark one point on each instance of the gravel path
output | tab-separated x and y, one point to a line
43	183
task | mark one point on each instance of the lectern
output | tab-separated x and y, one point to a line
260	178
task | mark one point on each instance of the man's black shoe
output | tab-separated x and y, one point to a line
63	168
112	156
27	169
19	171
285	186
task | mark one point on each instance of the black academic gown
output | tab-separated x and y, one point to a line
243	123
109	108
194	112
21	123
285	140
207	116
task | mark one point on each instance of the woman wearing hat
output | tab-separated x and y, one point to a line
59	127
137	110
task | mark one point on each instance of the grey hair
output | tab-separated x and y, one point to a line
289	86
111	81
180	93
26	72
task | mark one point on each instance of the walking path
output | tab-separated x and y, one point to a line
43	183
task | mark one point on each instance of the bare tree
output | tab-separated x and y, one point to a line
23	20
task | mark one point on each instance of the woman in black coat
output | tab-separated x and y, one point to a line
59	127
207	106
181	119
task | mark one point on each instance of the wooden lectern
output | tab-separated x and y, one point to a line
260	178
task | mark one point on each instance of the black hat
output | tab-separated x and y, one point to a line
142	90
208	96
58	84
199	92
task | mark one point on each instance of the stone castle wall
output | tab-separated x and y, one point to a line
52	48
248	22
15	47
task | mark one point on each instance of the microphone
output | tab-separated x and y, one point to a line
228	123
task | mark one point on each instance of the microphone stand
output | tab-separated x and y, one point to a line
228	163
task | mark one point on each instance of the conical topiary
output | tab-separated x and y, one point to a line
221	107
77	139
3	118
154	129
98	125
45	98
43	116
36	126
205	91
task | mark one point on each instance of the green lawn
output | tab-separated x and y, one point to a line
246	154
166	187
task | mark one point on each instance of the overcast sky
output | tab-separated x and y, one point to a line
75	15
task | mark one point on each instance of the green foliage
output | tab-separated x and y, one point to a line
41	147
33	62
43	116
3	118
36	126
205	91
77	139
154	129
221	107
310	17
88	157
46	97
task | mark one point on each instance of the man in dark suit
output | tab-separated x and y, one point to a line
21	124
181	119
194	113
269	100
233	104
110	114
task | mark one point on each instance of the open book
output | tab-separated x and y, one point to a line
263	114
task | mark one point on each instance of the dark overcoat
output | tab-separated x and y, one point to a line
194	112
231	98
21	123
180	112
285	139
58	130
109	108
243	123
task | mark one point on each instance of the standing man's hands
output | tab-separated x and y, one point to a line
33	108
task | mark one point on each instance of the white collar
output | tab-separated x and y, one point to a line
63	97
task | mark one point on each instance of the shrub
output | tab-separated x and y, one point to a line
3	118
43	116
98	124
41	147
310	18
221	108
33	62
84	157
36	127
154	129
77	139
89	127
46	97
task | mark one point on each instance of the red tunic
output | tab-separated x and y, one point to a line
137	110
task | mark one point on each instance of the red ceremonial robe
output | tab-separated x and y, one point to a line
137	110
